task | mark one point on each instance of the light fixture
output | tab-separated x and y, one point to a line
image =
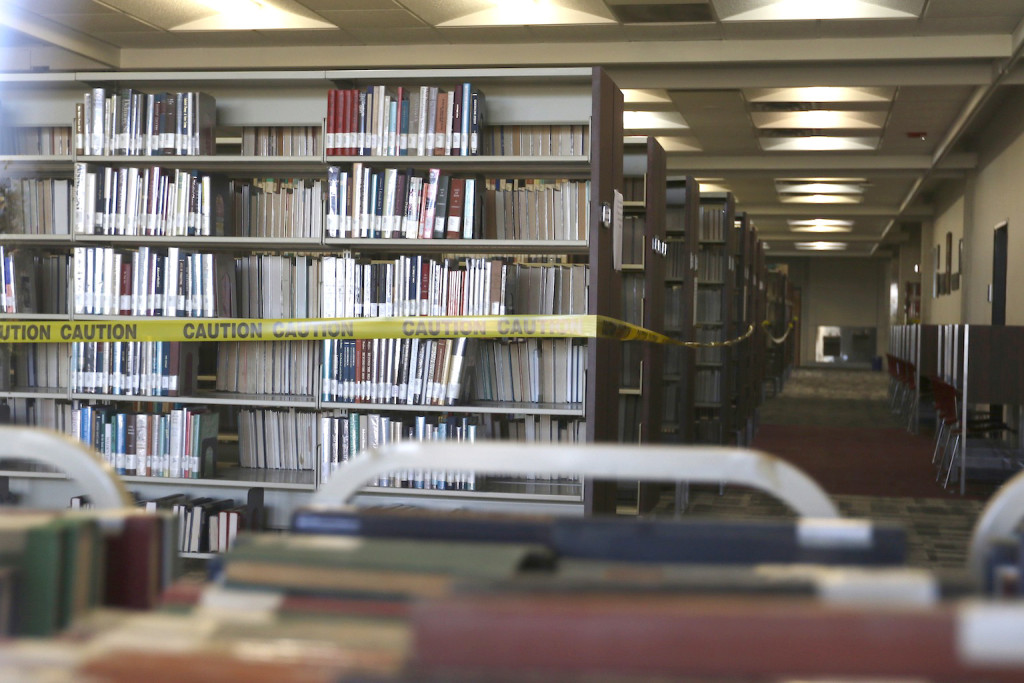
917	268
813	10
820	225
819	94
818	119
820	246
637	97
653	120
818	143
253	15
818	188
820	199
535	13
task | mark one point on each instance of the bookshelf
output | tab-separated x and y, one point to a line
681	221
251	109
715	317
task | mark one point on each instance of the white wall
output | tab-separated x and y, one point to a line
949	219
995	193
843	291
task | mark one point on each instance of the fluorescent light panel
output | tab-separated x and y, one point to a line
818	188
653	120
250	15
820	225
819	143
813	10
820	246
819	119
819	94
820	199
535	13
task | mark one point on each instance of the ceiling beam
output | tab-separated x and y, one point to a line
697	163
60	36
889	50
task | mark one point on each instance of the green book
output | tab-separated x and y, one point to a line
394	568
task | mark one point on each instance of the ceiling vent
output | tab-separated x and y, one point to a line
663	13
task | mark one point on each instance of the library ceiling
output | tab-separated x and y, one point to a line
819	116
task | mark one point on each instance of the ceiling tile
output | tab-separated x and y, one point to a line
48	7
97	24
338	5
356	20
158	40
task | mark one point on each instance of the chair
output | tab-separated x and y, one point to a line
948	401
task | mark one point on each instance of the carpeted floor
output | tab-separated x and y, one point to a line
836	426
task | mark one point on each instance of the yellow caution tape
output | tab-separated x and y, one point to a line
251	329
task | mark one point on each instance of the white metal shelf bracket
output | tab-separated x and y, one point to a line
706	464
81	464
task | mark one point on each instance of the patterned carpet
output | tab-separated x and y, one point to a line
813	407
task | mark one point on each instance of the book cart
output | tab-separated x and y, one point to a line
626	585
292	402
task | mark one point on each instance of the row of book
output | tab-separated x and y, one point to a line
344	436
58	565
677	260
712	266
537	140
125	121
271	285
297	141
536	209
630	420
707	385
415	371
676	307
34	366
277	439
175	442
533	429
134	368
530	370
382	120
633	240
33	281
279	368
417	285
149	201
709	306
712	225
35	206
277	208
709	354
388	203
36	140
169	282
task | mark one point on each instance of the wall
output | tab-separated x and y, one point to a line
994	195
949	220
844	291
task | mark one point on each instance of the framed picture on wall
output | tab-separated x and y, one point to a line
959	264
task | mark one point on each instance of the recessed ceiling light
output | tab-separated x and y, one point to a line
822	225
819	118
812	10
822	94
818	188
820	199
652	120
678	144
818	143
712	187
535	13
633	96
820	246
252	15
